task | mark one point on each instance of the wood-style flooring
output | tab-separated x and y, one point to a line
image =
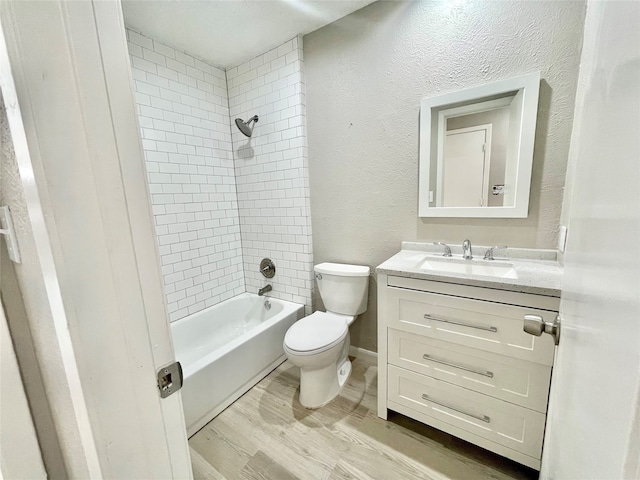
267	434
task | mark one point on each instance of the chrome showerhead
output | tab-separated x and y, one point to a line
245	127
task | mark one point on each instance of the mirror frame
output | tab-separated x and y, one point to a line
429	107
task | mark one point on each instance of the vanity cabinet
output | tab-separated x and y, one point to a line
456	357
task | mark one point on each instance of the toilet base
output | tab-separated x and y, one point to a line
313	385
319	386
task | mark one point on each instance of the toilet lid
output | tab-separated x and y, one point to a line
317	332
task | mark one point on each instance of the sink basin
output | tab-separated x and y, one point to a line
500	270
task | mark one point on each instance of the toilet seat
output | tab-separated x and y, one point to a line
316	333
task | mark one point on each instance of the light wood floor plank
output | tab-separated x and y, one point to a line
286	441
262	467
203	470
267	434
345	471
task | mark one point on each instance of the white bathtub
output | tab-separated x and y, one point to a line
228	348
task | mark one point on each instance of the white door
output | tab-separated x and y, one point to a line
593	427
465	175
90	276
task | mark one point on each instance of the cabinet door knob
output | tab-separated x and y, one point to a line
535	325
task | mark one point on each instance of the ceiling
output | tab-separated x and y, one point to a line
226	33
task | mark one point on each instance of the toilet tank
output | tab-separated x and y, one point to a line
344	288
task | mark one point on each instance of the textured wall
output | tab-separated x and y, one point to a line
271	171
366	75
186	136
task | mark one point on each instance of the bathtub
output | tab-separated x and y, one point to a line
226	349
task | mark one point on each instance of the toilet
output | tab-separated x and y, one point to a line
319	343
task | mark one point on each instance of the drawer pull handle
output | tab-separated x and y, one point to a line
482	418
462	324
484	373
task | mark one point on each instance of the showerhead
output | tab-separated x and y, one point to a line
245	127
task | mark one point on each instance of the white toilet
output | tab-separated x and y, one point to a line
319	343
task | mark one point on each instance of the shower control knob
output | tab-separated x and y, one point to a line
267	268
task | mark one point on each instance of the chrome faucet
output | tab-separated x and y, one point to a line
489	253
447	250
265	289
467	254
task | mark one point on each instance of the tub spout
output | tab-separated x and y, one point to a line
265	289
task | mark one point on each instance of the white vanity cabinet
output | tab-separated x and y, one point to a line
456	357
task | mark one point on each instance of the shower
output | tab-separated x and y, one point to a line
245	127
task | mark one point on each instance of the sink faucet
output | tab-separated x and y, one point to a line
447	250
265	289
467	254
489	253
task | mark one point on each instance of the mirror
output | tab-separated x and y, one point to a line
476	150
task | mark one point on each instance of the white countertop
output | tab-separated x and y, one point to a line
538	271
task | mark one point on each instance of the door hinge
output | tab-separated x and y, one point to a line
169	379
484	147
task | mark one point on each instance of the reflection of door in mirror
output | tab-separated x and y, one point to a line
457	178
465	173
497	186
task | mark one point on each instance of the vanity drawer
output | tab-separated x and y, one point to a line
511	426
509	379
490	326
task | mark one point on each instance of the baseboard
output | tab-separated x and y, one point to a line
363	354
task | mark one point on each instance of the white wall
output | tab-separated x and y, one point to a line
366	75
271	171
184	120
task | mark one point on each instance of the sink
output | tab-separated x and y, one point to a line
469	267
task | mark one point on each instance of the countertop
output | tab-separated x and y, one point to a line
538	271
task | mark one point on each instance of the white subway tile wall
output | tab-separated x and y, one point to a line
221	201
186	136
272	176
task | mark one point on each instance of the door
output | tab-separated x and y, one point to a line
465	175
593	427
90	274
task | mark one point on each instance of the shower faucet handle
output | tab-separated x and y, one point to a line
447	250
267	268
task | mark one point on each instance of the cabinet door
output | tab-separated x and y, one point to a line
509	379
489	326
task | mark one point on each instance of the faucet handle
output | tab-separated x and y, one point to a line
489	253
447	250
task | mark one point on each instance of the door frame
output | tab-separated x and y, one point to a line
20	455
67	82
